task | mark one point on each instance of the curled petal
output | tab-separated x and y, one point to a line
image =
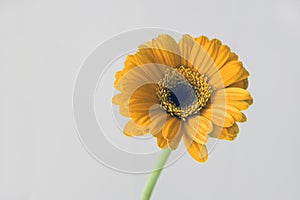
227	133
172	128
161	141
196	150
198	128
132	129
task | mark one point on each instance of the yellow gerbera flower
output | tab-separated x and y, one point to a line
193	89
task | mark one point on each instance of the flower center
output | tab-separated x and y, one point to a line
183	92
182	95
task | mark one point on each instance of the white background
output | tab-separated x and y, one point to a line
42	45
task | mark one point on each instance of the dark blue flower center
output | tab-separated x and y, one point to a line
182	95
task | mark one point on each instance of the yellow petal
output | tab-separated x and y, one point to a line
240	105
132	129
198	128
232	94
236	114
206	56
185	45
196	150
223	55
202	40
128	65
212	49
139	69
149	66
166	51
217	115
161	141
232	57
141	103
119	99
139	76
171	128
201	54
241	84
230	73
158	118
174	143
124	110
229	133
200	59
118	75
229	112
237	98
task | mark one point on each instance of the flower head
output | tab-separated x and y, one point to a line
190	90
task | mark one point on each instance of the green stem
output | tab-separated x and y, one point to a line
152	179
